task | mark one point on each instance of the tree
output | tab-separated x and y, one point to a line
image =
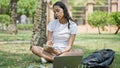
115	20
39	30
97	19
27	7
4	13
4	21
12	27
4	6
42	39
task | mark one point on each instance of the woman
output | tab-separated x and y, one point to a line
60	37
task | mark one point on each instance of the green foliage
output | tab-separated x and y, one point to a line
97	19
5	19
110	19
25	26
4	5
27	7
115	18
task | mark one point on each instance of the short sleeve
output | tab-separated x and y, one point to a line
73	28
50	26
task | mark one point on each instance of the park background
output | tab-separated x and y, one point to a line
23	23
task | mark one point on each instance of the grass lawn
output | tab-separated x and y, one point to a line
19	55
20	36
92	42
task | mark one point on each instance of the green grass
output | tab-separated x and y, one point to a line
93	42
20	36
19	55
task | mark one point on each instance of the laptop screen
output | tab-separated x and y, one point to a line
67	62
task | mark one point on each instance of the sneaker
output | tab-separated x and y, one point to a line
43	60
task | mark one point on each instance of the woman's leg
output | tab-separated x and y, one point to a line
77	52
37	50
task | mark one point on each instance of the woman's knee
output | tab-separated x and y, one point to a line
79	52
32	48
35	49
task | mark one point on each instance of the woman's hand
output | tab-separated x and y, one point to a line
48	48
49	43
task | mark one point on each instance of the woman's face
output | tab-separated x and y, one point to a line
58	12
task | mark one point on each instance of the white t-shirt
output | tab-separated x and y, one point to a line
61	33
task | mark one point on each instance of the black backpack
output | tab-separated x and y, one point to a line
99	59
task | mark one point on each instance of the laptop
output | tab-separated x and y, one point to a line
67	62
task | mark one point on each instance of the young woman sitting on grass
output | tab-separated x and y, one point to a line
61	35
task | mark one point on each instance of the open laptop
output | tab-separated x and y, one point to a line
67	62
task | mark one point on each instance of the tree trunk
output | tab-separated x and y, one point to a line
43	24
12	27
39	30
99	30
117	30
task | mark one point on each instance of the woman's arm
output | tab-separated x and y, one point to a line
70	43
49	43
49	38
